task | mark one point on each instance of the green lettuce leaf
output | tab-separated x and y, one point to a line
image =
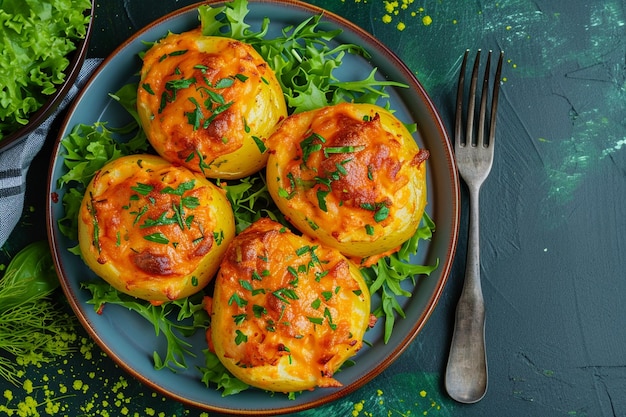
36	38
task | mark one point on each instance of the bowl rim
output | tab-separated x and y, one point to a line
71	73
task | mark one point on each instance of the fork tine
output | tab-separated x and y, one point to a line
459	101
471	105
494	99
481	140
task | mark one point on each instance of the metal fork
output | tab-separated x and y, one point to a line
466	373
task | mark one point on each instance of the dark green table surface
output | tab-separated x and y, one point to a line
553	219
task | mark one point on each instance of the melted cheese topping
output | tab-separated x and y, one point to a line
350	175
286	312
209	103
154	230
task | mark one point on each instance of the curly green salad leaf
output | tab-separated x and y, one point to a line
303	57
36	37
304	60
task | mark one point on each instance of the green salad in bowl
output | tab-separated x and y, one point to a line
43	44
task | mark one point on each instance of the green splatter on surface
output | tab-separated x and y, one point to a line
388	398
84	384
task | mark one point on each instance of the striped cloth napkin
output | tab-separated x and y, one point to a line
15	161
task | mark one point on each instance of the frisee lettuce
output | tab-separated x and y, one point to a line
35	39
304	62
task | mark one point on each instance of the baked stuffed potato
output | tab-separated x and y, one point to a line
286	312
209	103
154	230
350	175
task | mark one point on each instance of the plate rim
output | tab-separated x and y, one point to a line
445	266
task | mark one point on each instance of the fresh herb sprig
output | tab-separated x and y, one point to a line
33	329
387	275
251	200
176	320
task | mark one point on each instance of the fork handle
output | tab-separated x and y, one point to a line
466	373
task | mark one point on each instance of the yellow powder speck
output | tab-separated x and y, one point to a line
28	386
454	21
390	6
52	407
359	406
78	384
401	26
379	392
427	20
386	19
124	411
421	10
504	79
8	394
423	394
150	411
508	28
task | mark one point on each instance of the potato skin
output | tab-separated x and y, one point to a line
350	175
172	259
286	313
205	102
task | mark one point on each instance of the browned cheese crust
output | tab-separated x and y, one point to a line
209	103
154	230
350	175
286	312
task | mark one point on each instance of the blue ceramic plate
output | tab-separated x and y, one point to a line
130	340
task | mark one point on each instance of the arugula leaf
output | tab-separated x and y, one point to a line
387	275
229	21
87	149
302	58
174	320
250	200
216	373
